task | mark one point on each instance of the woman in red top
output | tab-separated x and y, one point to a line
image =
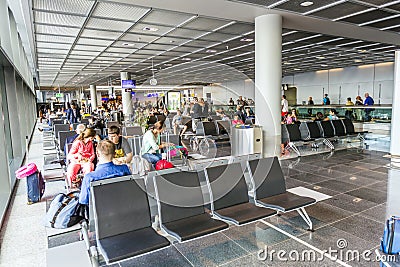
81	155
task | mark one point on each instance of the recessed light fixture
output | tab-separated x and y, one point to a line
296	69
186	58
211	51
307	3
358	60
128	44
287	63
320	57
362	51
167	64
324	65
246	39
150	29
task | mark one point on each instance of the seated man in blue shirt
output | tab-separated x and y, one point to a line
105	169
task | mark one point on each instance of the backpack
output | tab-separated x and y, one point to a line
65	211
163	164
390	242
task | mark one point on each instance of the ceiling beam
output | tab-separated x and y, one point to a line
248	13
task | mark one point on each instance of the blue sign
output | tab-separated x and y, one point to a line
128	84
152	95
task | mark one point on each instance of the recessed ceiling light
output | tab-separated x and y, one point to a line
211	51
320	57
246	39
168	64
186	58
307	3
324	65
362	51
128	44
150	29
296	69
358	60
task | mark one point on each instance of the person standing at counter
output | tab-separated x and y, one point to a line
368	101
310	103
326	101
349	111
284	106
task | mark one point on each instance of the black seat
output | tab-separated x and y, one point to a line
291	135
327	129
350	128
60	127
270	188
62	138
122	220
310	130
132	130
181	204
230	199
339	128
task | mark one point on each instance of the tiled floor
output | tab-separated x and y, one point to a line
361	200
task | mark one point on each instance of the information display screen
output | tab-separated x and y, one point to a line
128	84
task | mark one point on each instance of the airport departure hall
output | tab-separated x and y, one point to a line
199	133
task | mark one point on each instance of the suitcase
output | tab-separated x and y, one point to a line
35	184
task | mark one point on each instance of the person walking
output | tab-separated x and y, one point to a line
368	101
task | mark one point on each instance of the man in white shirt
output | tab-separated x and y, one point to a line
284	106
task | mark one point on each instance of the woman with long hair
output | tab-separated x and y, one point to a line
151	143
81	155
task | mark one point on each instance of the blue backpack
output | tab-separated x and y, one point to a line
65	211
390	243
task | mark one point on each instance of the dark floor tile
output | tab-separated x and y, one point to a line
380	186
382	170
362	227
322	190
378	176
304	167
329	237
350	203
377	213
290	183
365	166
326	213
283	223
63	239
357	179
310	178
163	258
332	173
211	250
255	236
372	195
337	185
289	172
345	168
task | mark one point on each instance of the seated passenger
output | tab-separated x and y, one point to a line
80	128
292	117
123	151
151	143
319	116
236	120
178	124
81	156
332	115
105	169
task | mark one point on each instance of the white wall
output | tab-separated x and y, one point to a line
376	79
220	94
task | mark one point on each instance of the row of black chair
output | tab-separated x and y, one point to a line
313	132
122	214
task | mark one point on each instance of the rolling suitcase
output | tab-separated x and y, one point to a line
35	185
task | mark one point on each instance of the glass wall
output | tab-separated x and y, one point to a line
17	120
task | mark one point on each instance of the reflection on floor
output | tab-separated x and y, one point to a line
351	221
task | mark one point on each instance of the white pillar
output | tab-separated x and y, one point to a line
93	97
268	77
127	107
395	126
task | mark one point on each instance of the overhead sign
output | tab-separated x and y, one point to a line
128	84
59	94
